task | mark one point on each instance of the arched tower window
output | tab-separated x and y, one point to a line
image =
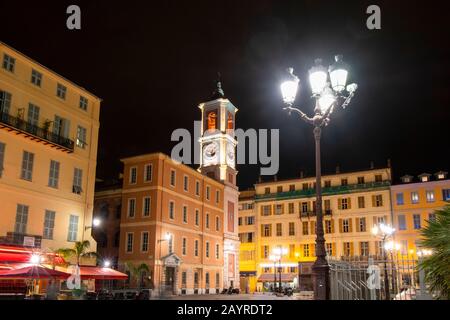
230	124
212	120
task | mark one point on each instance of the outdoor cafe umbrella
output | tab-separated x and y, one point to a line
33	272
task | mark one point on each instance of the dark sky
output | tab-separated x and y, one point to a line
152	62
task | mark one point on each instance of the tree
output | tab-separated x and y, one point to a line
136	272
436	236
79	250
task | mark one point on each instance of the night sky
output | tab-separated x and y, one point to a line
152	64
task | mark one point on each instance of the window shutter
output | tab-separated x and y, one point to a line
340	225
350	227
262	230
262	210
357	225
313	227
381	200
332	225
270	230
262	251
340	204
351	249
349	203
333	248
312	250
270	211
373	200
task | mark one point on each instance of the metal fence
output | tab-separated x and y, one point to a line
374	278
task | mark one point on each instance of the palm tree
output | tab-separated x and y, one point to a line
136	272
79	250
436	236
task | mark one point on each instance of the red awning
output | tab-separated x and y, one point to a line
269	277
100	273
21	254
33	272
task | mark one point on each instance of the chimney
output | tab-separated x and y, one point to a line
338	169
275	178
372	165
388	163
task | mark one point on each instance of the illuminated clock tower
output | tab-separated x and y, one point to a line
218	161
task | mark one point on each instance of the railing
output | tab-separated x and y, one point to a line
21	239
29	129
325	191
307	214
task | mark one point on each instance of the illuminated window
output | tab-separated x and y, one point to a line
230	121
212	120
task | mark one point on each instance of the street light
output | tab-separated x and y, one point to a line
274	258
106	264
95	223
167	237
384	231
327	99
35	259
279	252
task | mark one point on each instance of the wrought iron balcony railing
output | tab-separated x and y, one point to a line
21	239
34	132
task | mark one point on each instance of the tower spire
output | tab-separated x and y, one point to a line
218	92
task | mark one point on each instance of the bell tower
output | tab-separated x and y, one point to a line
217	142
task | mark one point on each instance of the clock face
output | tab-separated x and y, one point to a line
210	153
230	154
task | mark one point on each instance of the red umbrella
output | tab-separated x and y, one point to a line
33	272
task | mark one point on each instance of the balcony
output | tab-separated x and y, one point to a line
21	239
33	132
307	214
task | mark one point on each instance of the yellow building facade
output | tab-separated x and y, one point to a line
281	215
48	150
414	201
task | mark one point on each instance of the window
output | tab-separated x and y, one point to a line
185	214
292	187
81	137
207	221
54	174
27	166
129	247
280	189
144	241
83	103
77	180
185	183
401	222
183	279
305	228
306	250
266	210
344	203
361	203
327	183
328	228
61	127
197	188
184	246
208	189
265	252
49	224
400	200
171	210
148	172
217	251
196	248
417	222
146	207
250	220
197	217
291	228
304	206
2	157
404	247
430	196
217	223
267	190
217	280
344	182
61	91
8	63
327	205
329	249
345	225
217	196
305	186
21	219
378	178
279	209
195	279
279	229
431	217
379	248
133	175
33	116
378	200
364	248
362	225
170	243
266	230
5	102
347	249
131	207
291	207
414	197
360	180
207	249
73	228
446	194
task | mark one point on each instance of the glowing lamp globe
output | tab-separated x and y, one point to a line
96	222
338	74
326	100
289	87
318	77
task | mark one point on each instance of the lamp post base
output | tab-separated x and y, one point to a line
321	280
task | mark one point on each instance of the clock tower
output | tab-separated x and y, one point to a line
218	161
217	142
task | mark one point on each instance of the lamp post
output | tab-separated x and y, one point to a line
383	232
167	237
328	97
279	252
274	258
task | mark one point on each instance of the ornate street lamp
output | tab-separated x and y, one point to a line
383	232
327	99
